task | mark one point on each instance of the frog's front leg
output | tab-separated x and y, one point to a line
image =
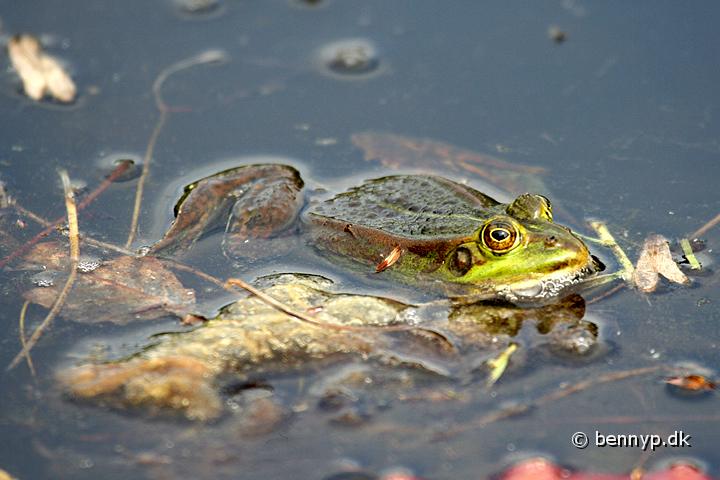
263	199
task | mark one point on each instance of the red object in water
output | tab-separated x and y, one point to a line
542	469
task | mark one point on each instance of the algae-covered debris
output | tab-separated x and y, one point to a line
182	371
179	371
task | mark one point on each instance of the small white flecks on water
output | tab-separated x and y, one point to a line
44	279
326	142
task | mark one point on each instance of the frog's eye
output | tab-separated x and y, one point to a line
500	236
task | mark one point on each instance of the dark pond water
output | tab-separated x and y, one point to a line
624	115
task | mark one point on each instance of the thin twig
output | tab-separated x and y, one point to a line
51	225
233	284
706	228
21	328
163	109
74	257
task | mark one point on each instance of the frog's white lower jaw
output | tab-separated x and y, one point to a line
548	287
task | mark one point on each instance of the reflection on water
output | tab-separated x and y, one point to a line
622	116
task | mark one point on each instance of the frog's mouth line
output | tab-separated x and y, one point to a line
551	288
548	288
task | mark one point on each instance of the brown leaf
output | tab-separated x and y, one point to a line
39	72
119	291
693	383
655	260
401	153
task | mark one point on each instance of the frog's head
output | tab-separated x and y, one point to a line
521	253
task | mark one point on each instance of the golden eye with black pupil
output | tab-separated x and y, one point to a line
499	236
461	261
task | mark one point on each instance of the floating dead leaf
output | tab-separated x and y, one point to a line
40	73
655	260
119	291
693	383
390	260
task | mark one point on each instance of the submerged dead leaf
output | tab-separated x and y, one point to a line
693	383
390	260
40	73
400	152
119	291
655	260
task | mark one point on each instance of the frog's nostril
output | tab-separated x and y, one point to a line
551	241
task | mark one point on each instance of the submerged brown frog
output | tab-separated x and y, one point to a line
445	233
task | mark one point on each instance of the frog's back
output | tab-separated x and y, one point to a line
413	207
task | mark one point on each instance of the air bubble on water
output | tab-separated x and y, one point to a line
349	58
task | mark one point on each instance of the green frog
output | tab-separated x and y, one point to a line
417	229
